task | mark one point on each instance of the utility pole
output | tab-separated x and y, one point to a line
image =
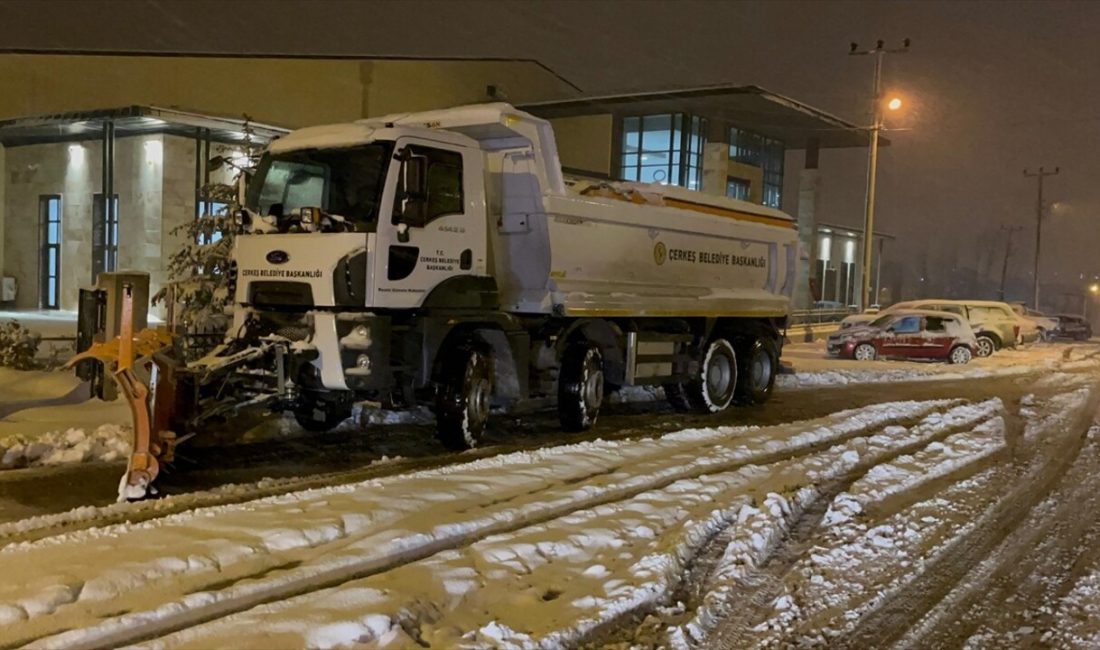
872	159
1040	175
1008	253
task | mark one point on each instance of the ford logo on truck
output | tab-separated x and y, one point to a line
278	257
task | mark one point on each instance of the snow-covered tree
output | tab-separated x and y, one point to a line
198	270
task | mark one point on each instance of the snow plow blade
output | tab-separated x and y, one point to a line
151	444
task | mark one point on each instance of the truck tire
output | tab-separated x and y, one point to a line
713	389
757	363
580	387
463	399
318	415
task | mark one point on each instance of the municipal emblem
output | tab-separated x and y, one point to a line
660	253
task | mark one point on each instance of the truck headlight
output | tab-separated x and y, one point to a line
361	331
363	362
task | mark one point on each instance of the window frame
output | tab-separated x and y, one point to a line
46	279
902	319
687	140
414	148
109	249
766	154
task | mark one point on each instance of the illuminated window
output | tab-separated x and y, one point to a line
737	188
666	149
49	217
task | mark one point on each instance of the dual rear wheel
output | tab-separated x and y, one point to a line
745	375
464	393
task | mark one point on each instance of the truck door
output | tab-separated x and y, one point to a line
435	232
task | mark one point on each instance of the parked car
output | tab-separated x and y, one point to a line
994	323
1046	325
1073	327
907	334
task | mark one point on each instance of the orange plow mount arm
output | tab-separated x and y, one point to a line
119	353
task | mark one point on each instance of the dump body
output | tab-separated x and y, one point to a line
636	250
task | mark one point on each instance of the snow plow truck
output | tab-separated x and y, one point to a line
443	259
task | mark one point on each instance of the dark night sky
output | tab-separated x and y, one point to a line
992	87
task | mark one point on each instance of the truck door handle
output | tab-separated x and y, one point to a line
466	260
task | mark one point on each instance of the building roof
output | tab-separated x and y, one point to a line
130	120
749	107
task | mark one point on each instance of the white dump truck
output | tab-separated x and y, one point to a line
442	258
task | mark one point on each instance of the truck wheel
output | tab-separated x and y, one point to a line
580	387
756	369
462	402
320	415
712	390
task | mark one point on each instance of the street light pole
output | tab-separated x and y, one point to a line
872	161
1040	175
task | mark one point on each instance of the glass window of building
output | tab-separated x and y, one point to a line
737	188
772	159
666	148
750	148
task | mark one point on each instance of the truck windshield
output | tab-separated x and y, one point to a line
347	182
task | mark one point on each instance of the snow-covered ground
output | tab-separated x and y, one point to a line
560	546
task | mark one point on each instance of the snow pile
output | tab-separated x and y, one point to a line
106	442
854	376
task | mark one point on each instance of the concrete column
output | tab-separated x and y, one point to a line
715	155
809	180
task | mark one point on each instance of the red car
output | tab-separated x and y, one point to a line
907	334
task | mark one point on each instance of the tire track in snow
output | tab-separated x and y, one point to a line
930	595
725	618
204	606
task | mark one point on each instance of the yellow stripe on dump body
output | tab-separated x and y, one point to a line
682	204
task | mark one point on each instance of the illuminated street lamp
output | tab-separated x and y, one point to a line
872	158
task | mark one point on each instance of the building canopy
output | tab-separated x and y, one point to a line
127	121
748	107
